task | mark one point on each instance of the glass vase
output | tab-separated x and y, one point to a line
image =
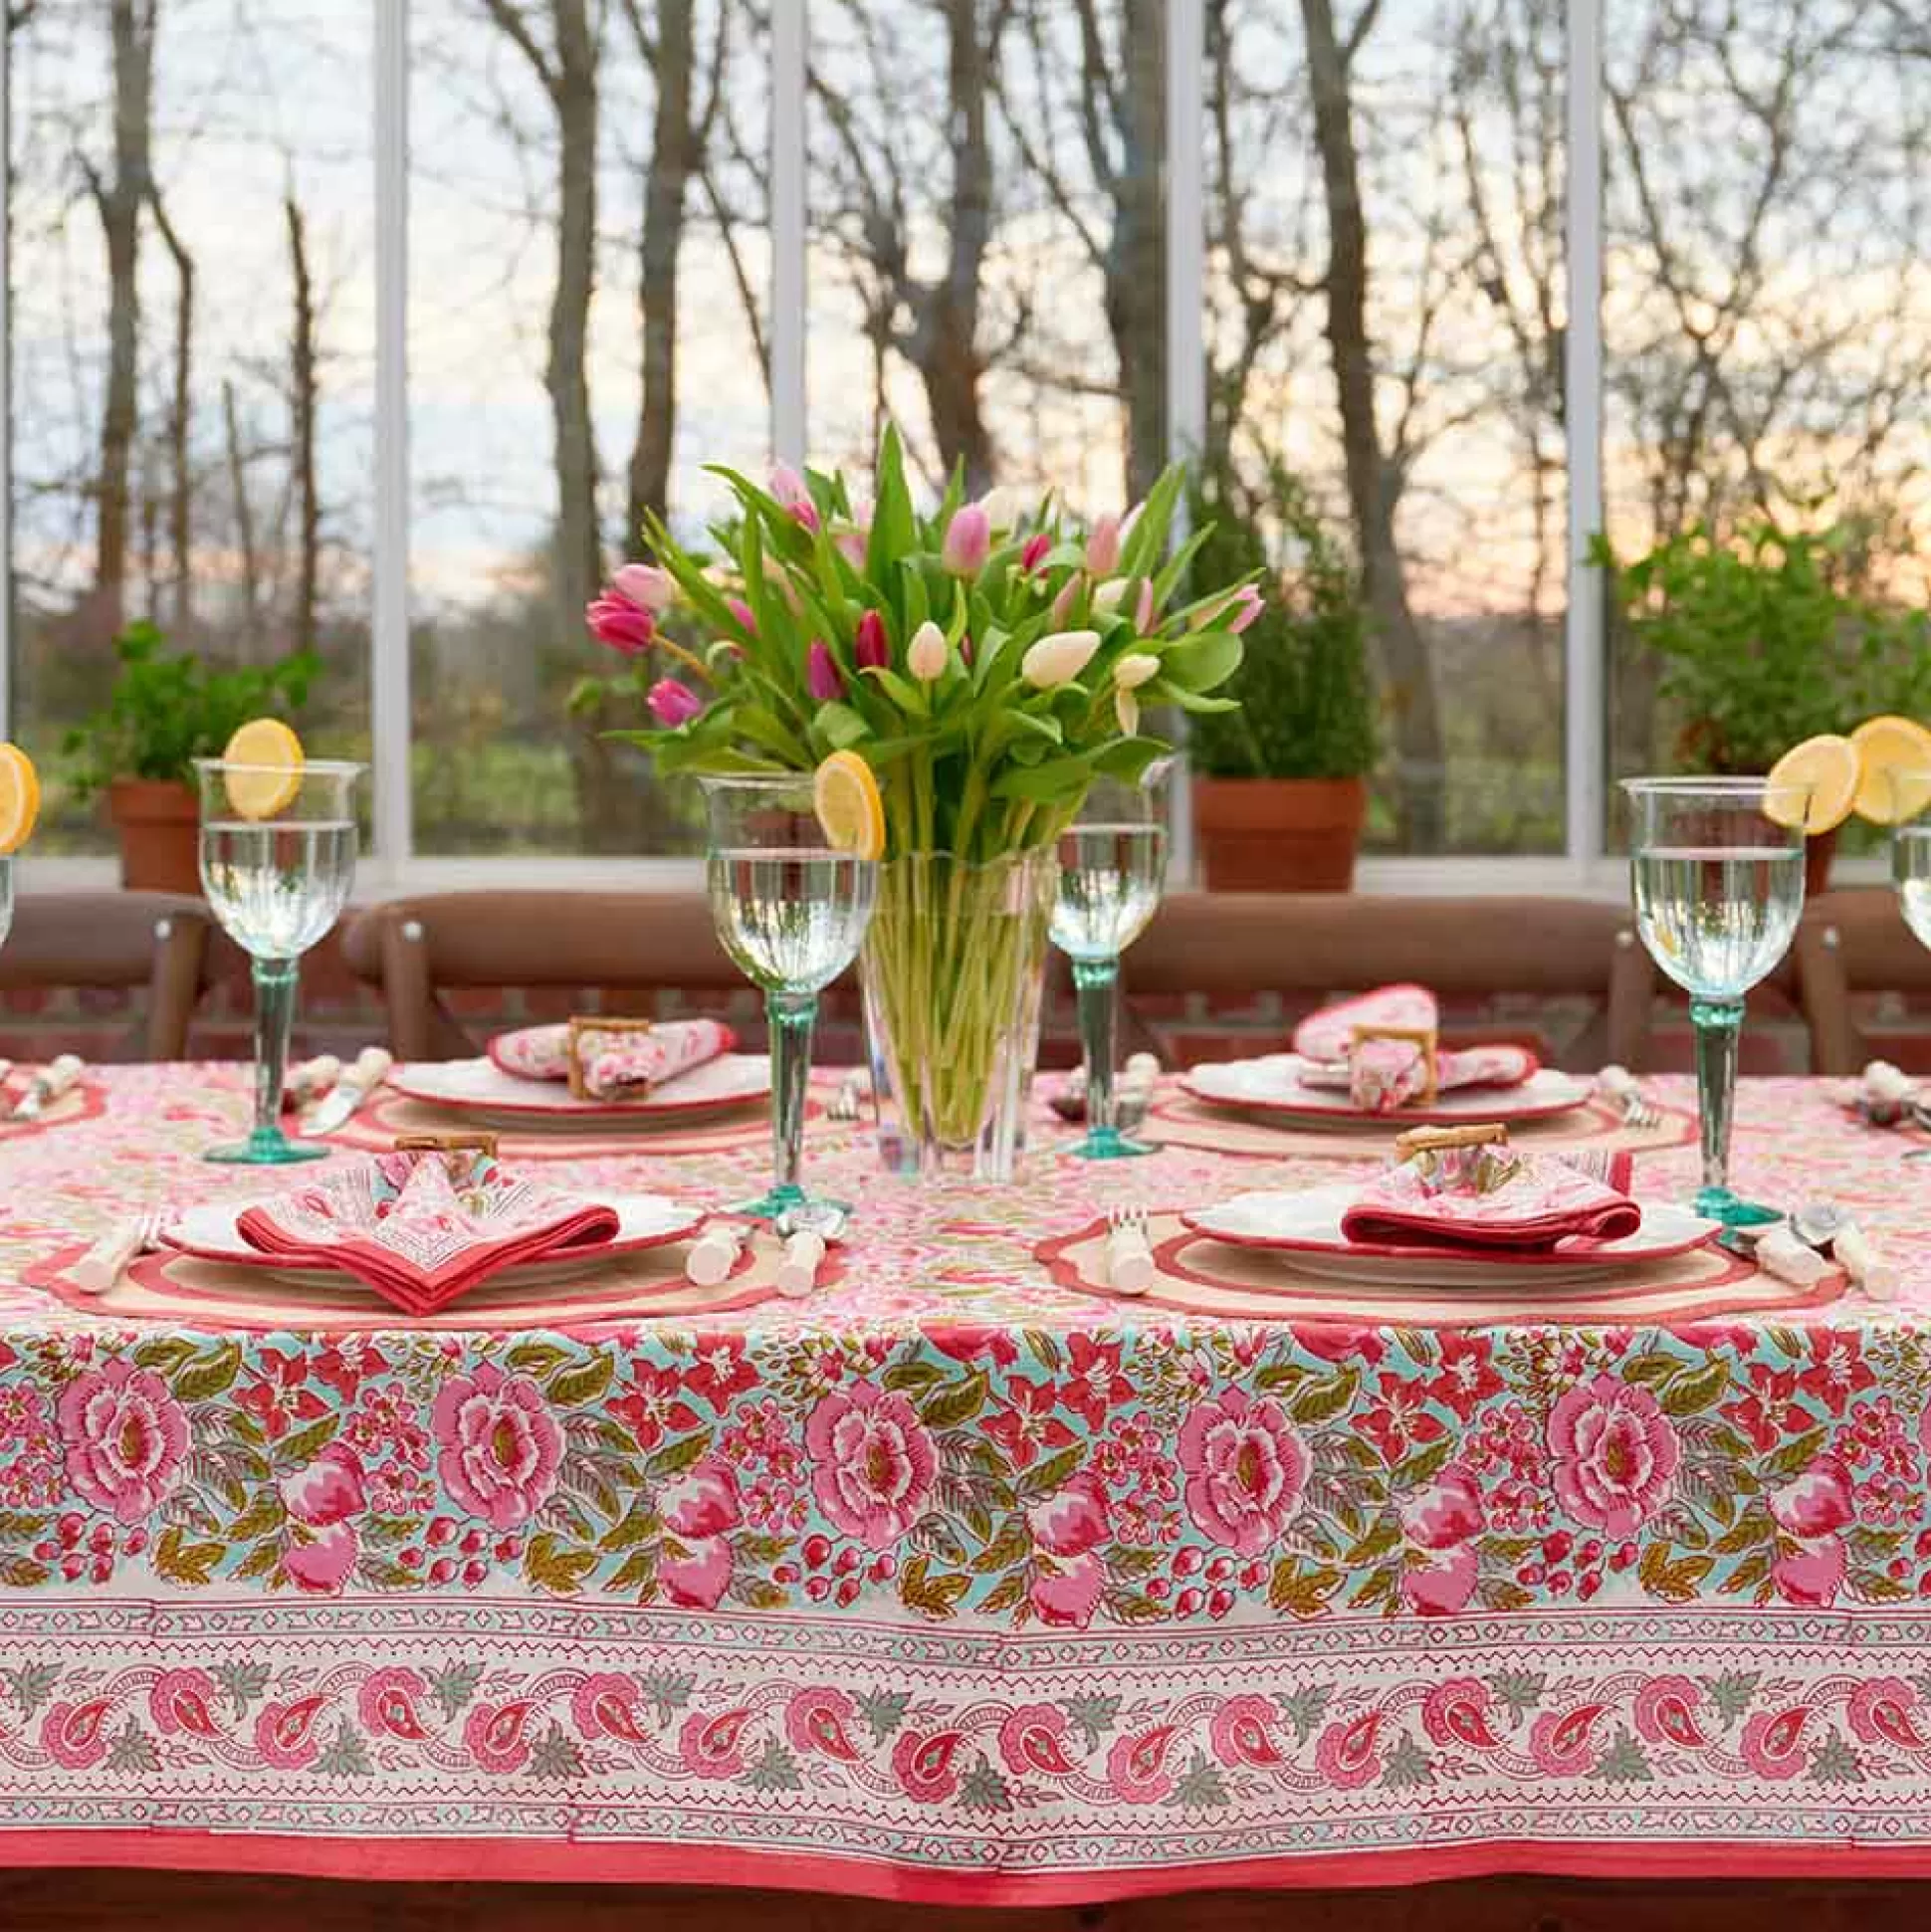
953	970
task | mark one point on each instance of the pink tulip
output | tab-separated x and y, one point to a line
821	673
1248	606
968	541
1036	553
1069	596
852	545
743	612
871	650
789	490
1142	616
925	656
646	586
617	622
673	704
1103	548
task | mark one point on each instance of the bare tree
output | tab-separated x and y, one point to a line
302	397
244	522
1373	483
118	199
567	71
180	508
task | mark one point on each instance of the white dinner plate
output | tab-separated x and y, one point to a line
1306	1226
1273	1085
211	1233
481	1091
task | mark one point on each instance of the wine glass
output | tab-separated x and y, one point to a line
1719	884
1112	861
1910	800
277	876
791	913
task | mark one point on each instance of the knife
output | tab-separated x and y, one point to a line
48	1085
372	1068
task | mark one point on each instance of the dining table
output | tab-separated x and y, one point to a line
965	1580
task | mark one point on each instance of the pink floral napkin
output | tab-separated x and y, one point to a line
422	1228
1509	1201
618	1065
1382	1075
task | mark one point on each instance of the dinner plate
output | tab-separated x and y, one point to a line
1307	1227
481	1091
1275	1085
211	1233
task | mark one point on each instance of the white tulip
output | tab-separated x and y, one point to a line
926	655
1135	669
1125	707
1058	658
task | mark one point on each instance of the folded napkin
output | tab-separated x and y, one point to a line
1391	1069
620	1065
1330	1033
1496	1199
422	1228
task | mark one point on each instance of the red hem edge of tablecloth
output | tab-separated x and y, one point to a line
495	1860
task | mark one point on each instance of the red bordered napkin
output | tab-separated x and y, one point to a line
424	1228
1571	1200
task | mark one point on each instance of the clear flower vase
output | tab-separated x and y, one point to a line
953	970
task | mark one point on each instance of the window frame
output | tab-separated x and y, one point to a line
392	865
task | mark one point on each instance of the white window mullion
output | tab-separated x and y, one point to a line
1186	393
790	28
6	385
1585	680
390	618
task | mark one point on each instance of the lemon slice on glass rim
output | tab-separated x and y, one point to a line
1829	766
845	795
1887	746
18	798
265	761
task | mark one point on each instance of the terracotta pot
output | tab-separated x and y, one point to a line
159	825
1279	834
1819	850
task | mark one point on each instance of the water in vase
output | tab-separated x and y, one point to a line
1109	888
1717	919
277	888
791	919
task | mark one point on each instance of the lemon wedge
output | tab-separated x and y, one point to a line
18	797
265	761
1896	756
1830	768
845	795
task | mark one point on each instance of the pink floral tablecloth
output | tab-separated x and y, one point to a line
954	1583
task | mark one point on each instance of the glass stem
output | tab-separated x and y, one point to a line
1718	1023
275	982
1097	983
792	1017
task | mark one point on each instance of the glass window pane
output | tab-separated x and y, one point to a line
1768	318
987	239
547	406
1385	317
192	429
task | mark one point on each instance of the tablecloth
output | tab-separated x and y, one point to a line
955	1582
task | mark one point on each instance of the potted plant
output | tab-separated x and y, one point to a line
1769	636
1280	785
166	709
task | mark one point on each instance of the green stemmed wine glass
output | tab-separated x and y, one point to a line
1718	868
1111	864
277	880
1910	810
791	912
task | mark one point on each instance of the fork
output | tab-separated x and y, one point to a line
99	1270
1639	1111
1129	1254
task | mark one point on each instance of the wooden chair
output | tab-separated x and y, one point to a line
114	940
1851	944
1307	947
414	951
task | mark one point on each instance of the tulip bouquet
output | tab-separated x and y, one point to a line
987	664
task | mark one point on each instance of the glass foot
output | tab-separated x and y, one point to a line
1720	1205
268	1147
789	1200
1108	1144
